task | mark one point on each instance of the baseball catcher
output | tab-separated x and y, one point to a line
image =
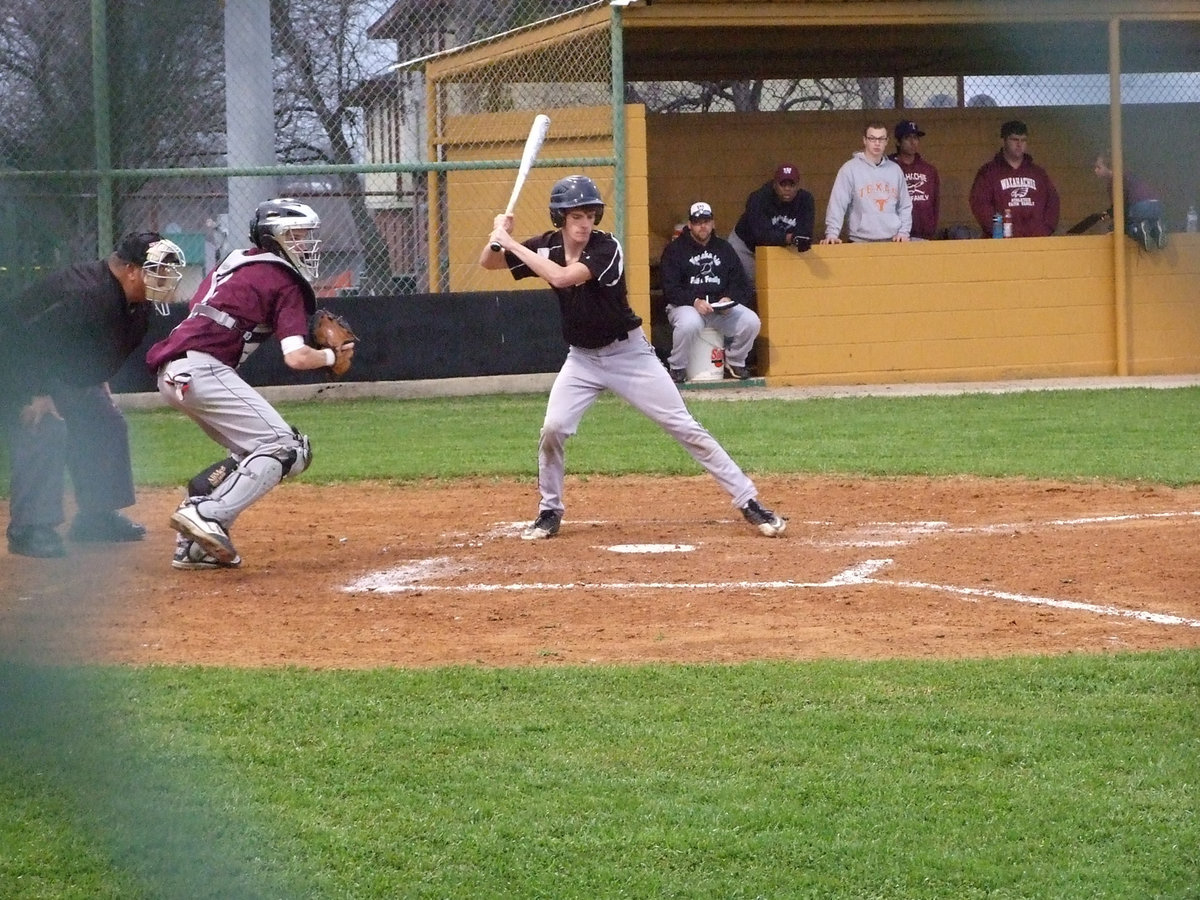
333	332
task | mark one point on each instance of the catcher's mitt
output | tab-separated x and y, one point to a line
331	330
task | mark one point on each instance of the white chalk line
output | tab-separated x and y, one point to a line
858	574
409	577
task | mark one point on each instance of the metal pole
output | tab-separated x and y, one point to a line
102	129
249	114
617	44
1120	298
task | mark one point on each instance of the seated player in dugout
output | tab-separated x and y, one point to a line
705	287
585	267
1143	206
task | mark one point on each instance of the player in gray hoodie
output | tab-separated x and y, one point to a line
872	189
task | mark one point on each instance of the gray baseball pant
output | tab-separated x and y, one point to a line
631	370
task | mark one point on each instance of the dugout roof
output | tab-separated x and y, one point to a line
697	40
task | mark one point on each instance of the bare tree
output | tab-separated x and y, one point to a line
756	95
160	87
322	55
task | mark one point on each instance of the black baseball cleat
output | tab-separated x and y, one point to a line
679	376
106	526
1143	235
763	519
40	541
738	373
545	526
1158	234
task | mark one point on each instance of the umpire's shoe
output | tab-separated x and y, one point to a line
208	533
106	526
35	540
763	519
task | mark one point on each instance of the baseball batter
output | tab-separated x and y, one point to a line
251	295
585	268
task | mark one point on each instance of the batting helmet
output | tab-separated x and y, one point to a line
573	192
289	228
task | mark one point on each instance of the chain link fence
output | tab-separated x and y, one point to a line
390	117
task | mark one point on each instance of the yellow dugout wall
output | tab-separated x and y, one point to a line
957	310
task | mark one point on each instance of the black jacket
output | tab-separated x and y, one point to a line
688	270
73	327
766	221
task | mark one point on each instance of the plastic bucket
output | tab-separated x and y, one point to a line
707	359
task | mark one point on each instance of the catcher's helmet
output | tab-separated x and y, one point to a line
573	192
289	228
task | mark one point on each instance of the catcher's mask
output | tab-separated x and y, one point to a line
573	192
289	228
162	271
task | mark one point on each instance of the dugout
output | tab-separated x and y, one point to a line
953	310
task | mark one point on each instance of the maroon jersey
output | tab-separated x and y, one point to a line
924	189
250	296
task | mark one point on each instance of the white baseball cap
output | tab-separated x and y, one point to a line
700	210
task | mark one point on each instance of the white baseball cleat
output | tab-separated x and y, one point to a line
763	519
191	557
208	533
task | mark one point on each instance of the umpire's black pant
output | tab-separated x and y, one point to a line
91	441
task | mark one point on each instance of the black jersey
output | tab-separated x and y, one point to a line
594	313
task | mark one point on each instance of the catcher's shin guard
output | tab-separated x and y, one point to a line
253	478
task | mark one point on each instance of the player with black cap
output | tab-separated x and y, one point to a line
924	184
74	330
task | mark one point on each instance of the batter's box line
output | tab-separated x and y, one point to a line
861	573
901	534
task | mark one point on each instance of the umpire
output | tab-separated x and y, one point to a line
73	331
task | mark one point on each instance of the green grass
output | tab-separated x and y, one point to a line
1069	777
1130	435
1065	777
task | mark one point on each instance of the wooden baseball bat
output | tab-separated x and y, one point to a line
533	146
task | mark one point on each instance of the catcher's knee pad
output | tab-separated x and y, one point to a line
298	457
205	482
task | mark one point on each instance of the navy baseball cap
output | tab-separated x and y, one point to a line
135	246
904	129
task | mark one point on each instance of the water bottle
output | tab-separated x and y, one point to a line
997	226
1193	221
1008	223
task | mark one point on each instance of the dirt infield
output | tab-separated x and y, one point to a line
645	569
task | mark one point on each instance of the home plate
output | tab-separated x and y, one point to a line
652	548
